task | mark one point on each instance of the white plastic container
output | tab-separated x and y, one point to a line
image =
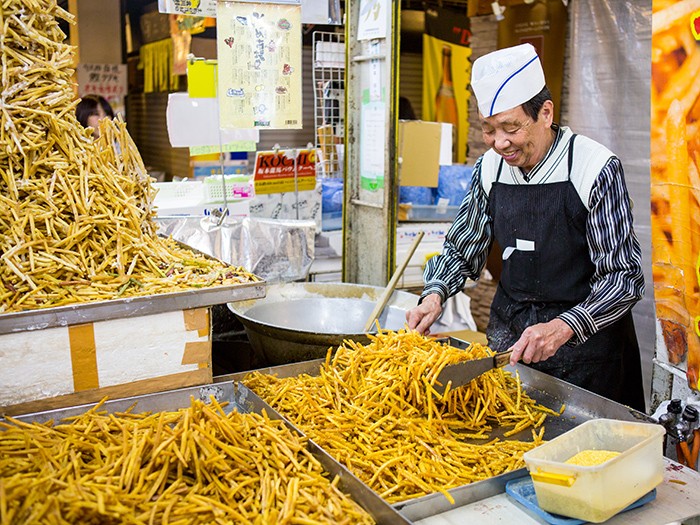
597	493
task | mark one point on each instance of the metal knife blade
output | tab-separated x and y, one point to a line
462	373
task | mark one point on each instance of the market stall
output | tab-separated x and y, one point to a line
110	409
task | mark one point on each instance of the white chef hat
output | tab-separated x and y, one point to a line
506	78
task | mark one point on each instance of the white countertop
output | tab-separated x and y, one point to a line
677	498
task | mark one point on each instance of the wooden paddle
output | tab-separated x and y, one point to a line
384	298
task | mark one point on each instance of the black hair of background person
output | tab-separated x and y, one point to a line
406	109
88	106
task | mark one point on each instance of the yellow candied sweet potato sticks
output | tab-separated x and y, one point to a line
76	214
373	407
197	465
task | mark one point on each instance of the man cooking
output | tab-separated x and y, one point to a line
557	204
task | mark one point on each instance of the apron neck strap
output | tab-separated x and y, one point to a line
571	153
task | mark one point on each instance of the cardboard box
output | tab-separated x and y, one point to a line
72	365
203	47
419	151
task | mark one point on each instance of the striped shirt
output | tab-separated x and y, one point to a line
618	281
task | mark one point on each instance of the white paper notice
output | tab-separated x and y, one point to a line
372	141
446	145
315	12
373	19
193	122
108	80
188	7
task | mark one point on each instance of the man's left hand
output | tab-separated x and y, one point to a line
541	341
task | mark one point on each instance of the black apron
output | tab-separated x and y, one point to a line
538	285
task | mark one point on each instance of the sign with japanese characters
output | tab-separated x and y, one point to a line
259	65
108	80
285	171
188	7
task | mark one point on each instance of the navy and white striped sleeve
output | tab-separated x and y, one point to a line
466	244
618	281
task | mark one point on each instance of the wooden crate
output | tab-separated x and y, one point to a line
71	365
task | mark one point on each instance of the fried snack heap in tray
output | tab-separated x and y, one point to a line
76	217
193	466
373	407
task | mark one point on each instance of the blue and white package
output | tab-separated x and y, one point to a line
453	183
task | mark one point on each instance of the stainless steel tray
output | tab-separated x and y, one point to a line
581	405
242	399
128	307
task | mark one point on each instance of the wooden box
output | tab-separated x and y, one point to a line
71	365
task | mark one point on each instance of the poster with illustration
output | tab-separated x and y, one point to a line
447	73
675	182
259	56
373	19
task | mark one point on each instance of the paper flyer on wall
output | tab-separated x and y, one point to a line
675	179
372	141
259	57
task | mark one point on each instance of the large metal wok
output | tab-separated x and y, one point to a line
300	321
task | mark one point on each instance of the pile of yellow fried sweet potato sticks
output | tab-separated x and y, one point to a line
76	215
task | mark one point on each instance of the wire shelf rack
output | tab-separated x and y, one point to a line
329	101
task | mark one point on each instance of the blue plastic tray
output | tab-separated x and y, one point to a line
523	491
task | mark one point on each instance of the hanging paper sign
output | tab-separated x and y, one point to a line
201	79
207	8
277	171
259	56
188	7
373	19
108	80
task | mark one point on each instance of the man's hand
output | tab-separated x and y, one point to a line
541	341
424	315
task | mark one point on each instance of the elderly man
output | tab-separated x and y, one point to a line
557	204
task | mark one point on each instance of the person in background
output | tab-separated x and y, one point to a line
557	204
91	109
406	109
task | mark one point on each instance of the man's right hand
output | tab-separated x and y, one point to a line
425	314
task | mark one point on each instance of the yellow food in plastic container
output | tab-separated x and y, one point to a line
590	458
596	492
